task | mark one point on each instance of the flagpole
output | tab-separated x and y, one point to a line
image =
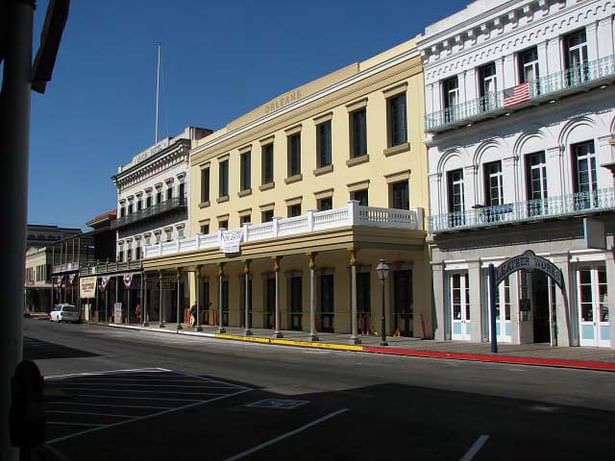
157	95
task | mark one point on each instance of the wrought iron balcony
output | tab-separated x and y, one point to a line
577	204
313	221
594	73
110	267
156	209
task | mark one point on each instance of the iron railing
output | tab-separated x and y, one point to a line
567	81
143	213
580	203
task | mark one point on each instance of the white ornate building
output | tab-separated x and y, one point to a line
520	124
152	198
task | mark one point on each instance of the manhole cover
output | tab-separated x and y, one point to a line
277	404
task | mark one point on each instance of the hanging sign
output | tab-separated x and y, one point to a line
127	278
87	287
104	281
230	241
528	261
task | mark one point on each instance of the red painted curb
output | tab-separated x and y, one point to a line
587	365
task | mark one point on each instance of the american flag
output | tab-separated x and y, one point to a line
517	94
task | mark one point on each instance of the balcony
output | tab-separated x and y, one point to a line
144	213
65	267
547	88
577	204
110	267
313	221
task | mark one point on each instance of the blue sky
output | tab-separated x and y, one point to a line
219	60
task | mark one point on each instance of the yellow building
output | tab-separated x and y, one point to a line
296	202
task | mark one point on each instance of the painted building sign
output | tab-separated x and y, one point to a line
528	261
282	101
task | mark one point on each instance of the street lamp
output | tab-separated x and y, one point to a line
383	272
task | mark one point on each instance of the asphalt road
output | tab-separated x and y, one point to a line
125	395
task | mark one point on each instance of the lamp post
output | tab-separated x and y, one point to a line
383	272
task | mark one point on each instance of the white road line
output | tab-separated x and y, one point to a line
72	383
110	372
475	448
100	396
62	423
67	412
211	380
88	404
141	418
243	454
69	388
145	379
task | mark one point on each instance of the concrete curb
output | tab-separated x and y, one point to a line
397	351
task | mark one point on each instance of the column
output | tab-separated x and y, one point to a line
276	269
220	318
246	274
566	325
312	265
610	279
179	321
145	309
440	331
471	188
556	185
354	339
197	290
160	305
476	317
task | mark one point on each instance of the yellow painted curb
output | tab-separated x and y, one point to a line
290	342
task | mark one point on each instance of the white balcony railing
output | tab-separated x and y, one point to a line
313	221
594	73
580	203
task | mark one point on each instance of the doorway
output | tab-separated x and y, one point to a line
540	307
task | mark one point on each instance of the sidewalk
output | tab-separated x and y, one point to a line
599	359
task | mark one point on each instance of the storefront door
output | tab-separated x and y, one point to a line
459	296
593	307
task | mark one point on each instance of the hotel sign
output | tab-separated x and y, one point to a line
230	241
283	101
528	261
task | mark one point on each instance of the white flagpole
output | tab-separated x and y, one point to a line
157	96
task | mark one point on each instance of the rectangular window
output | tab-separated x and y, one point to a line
396	117
400	195
205	229
129	254
528	65
323	144
358	133
182	190
267	163
494	187
363	294
294	210
267	216
536	176
575	57
245	219
296	298
487	87
450	97
148	201
294	154
585	181
325	203
130	209
456	205
223	179
159	197
138	253
223	224
139	205
120	256
327	302
205	185
122	212
361	196
246	171
169	193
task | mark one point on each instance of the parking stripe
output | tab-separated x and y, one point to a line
67	412
475	448
146	385
63	423
100	396
104	389
88	404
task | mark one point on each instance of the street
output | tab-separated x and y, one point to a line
121	394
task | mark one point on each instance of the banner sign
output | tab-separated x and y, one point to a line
87	287
104	281
117	312
528	261
127	280
230	241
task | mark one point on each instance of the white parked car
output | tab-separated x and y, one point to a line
64	313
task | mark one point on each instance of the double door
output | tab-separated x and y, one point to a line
459	296
594	326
